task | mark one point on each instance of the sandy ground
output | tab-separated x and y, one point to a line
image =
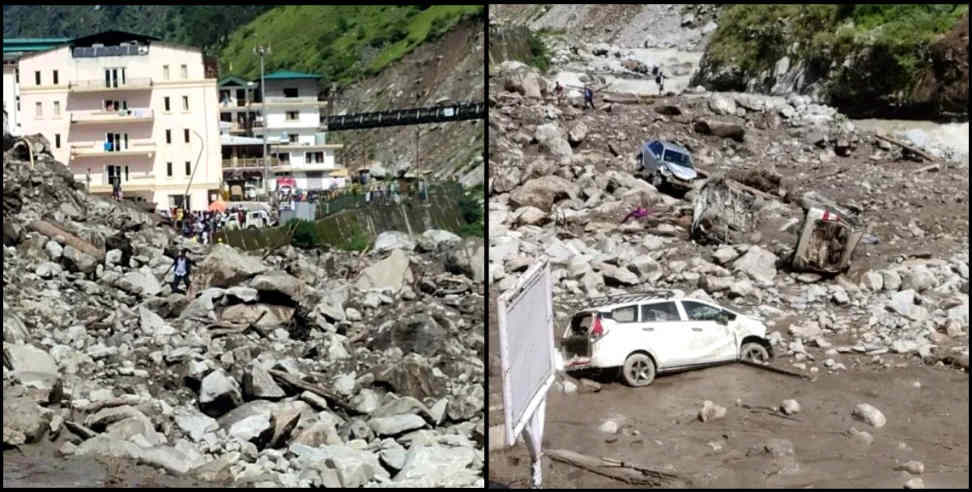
660	429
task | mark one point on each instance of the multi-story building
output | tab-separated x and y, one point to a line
132	106
292	122
13	49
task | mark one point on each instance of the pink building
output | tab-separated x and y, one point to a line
117	104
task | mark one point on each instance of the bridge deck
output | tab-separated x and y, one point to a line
412	116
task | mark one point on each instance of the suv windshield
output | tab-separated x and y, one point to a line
679	158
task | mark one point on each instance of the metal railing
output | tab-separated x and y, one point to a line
112	116
249	162
95	51
348	200
412	116
102	84
88	148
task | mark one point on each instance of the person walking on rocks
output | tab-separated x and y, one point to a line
660	80
559	93
588	97
183	267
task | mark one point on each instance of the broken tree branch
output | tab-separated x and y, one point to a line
53	232
905	146
775	369
313	388
618	470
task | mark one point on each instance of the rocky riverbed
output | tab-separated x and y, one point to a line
281	368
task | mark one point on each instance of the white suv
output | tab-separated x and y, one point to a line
653	332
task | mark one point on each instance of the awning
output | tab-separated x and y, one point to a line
338	173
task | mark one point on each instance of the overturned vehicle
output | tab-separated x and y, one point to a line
729	212
665	163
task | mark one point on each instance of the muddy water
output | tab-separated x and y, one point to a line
675	64
954	136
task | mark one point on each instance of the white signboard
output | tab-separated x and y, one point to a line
527	354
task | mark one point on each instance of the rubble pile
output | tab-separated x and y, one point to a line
291	368
732	238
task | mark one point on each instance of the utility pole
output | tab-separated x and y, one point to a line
202	146
260	50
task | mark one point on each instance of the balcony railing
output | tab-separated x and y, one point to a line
97	149
120	116
96	51
101	85
249	162
289	101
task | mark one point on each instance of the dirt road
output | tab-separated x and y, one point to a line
659	429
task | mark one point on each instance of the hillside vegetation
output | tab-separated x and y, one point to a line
342	43
863	52
205	26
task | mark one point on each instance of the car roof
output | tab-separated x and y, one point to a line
609	303
669	145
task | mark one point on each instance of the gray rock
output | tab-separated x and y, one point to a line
390	273
354	467
790	407
78	261
840	295
47	270
543	192
54	250
438	411
436	239
245	294
468	403
252	428
344	384
873	281
608	427
618	275
913	467
807	331
862	437
711	411
14	330
366	401
281	282
902	302
392	240
152	324
725	254
219	394
722	105
24	420
919	278
139	282
759	264
774	447
386	426
552	140
915	483
258	384
113	257
869	414
195	424
108	416
28	358
228	266
577	133
440	466
892	281
393	455
529	215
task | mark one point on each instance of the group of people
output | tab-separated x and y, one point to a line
589	93
200	226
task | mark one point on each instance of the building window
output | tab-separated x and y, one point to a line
185	72
168	136
292	138
291	92
185	133
55	77
319	157
166	101
185	103
36	77
126	173
17	75
165	72
168	169
57	108
18	104
57	140
292	115
188	168
40	111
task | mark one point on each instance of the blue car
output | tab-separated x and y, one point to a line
666	163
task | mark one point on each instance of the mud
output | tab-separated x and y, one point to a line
660	429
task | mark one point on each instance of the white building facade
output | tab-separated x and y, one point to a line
123	105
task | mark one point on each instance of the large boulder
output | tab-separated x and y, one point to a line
258	384
543	192
418	333
226	266
275	317
152	324
389	240
23	421
355	467
390	273
722	105
396	424
278	281
759	264
139	282
436	239
14	330
28	358
468	258
79	261
440	466
551	139
219	393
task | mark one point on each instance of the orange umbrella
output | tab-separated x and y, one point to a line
217	206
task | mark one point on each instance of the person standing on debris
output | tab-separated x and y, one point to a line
659	79
588	97
183	267
559	93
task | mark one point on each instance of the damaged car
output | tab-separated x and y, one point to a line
827	242
644	334
666	163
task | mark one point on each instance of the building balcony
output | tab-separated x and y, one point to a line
289	147
100	85
113	117
97	149
249	163
277	102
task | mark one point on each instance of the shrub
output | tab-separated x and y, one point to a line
359	241
539	54
305	234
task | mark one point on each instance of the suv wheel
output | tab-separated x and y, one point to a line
639	370
754	352
656	180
